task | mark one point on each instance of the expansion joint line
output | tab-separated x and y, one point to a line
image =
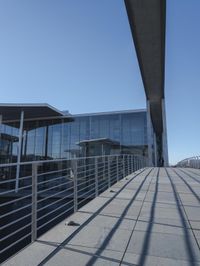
139	213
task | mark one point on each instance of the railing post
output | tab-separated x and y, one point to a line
124	173
140	163
127	164
132	164
117	165
34	202
109	172
136	164
96	177
75	186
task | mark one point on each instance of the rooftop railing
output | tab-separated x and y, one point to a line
192	162
46	192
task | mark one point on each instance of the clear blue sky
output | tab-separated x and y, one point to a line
79	56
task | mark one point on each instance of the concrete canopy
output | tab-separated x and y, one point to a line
147	21
31	111
44	114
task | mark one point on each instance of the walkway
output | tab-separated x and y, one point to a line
152	217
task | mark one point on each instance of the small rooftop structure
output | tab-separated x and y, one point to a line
99	141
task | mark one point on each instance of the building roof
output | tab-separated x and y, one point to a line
109	112
13	111
41	112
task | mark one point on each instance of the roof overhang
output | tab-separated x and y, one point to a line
147	20
43	113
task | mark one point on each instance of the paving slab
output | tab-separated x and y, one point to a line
163	245
132	259
78	255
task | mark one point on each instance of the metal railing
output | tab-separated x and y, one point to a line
192	162
49	191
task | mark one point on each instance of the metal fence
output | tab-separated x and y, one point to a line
46	192
192	162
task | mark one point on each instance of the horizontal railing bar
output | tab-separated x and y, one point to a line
113	171
16	210
102	178
53	172
14	243
86	193
54	218
104	185
52	179
15	232
113	178
103	171
47	189
64	183
13	190
86	187
45	215
85	174
102	190
14	179
86	198
55	160
15	200
64	192
86	171
86	177
46	206
52	195
85	182
15	221
81	166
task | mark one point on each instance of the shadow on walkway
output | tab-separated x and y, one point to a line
116	226
66	241
191	254
147	238
193	172
186	183
186	173
77	249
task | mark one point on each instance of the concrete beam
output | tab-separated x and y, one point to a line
147	22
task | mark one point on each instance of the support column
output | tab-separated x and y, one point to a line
155	151
149	135
0	127
19	151
0	124
164	136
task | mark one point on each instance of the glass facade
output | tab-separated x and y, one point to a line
114	132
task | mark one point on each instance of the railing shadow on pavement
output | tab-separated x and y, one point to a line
190	252
66	241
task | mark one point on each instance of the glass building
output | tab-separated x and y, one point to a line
57	135
108	133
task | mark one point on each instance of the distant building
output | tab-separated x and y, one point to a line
40	132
